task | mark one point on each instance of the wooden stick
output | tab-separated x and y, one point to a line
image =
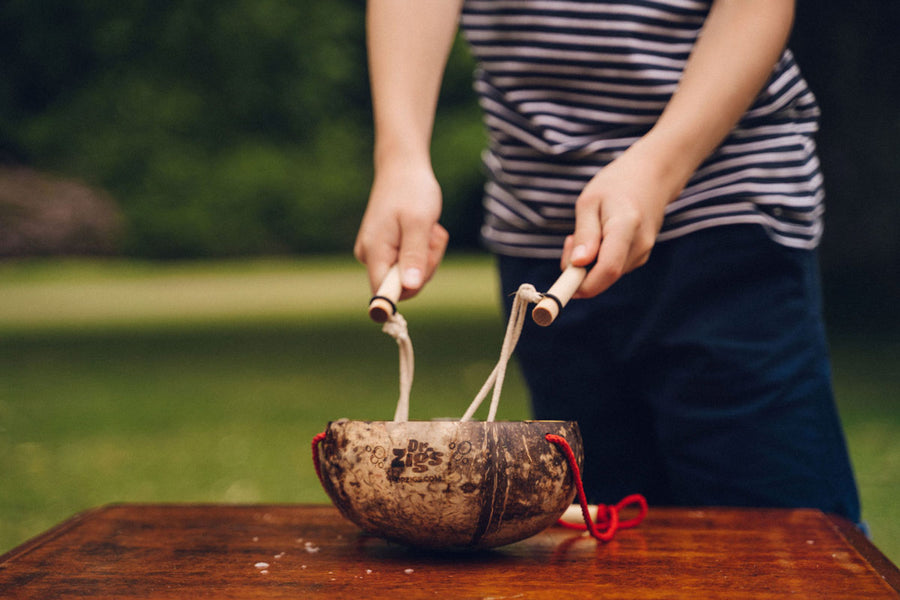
558	295
384	303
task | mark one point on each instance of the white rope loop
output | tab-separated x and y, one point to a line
525	294
396	327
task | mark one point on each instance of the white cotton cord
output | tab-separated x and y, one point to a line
396	327
525	295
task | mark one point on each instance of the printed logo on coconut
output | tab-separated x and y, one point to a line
412	463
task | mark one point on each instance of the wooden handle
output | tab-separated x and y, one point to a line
384	303
558	295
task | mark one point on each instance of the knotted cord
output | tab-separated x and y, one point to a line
525	294
396	327
607	515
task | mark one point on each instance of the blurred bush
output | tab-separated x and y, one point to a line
221	128
46	216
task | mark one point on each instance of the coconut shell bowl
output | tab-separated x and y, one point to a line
449	484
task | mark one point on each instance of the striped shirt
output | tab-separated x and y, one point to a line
567	85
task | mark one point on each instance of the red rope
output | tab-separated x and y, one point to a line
315	454
607	516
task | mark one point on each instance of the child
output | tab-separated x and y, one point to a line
699	373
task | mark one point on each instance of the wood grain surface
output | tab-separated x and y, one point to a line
280	551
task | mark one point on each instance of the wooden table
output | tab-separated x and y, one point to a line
227	551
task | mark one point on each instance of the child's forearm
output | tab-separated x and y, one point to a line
731	62
408	45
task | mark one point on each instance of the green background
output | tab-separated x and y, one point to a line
234	138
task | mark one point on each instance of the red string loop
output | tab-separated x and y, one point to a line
315	454
607	516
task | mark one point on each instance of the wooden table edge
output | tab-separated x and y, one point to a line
882	565
50	534
867	550
78	518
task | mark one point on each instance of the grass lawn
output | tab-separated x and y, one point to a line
206	382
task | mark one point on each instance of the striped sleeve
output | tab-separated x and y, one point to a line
567	85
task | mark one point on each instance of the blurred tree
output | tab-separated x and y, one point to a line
222	128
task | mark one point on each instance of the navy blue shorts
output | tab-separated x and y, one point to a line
700	379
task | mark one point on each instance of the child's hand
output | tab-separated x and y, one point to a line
400	225
618	216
